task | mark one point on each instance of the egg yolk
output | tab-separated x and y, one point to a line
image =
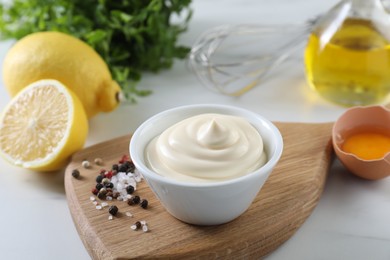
367	145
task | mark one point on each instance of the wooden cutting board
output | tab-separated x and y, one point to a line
284	203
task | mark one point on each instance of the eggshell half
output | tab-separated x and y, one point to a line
370	117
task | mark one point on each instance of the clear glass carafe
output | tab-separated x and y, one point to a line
347	57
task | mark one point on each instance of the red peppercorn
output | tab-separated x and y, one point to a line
108	174
95	191
124	158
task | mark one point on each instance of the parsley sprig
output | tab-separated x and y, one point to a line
132	36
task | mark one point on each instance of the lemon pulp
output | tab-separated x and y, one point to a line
42	126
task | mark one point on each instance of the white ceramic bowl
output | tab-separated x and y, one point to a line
205	203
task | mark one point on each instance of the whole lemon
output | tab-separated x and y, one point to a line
59	56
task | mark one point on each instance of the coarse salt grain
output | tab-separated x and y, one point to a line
104	204
110	217
129	214
109	198
99	207
133	227
94	202
145	228
92	198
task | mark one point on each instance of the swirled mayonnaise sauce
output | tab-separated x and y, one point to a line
207	148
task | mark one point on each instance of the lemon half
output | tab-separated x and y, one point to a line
42	126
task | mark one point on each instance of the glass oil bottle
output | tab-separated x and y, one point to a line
347	57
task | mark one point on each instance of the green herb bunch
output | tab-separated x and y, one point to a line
131	35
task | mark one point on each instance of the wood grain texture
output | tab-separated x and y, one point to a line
284	203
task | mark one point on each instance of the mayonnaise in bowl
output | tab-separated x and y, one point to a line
205	162
208	147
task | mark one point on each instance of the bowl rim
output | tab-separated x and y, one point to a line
266	168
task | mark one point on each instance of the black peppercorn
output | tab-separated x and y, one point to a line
129	166
99	186
115	167
76	173
130	189
101	195
122	168
99	178
134	200
113	210
137	224
144	204
109	185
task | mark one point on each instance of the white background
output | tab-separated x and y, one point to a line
351	221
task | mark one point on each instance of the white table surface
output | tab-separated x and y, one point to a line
351	221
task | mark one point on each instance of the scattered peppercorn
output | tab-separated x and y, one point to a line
144	204
95	191
76	173
130	189
115	194
108	174
115	167
99	178
109	185
99	186
137	224
134	200
124	158
101	195
122	168
130	166
105	181
86	164
98	161
113	210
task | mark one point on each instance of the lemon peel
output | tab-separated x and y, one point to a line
59	56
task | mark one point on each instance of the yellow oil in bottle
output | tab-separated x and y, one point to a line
352	67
